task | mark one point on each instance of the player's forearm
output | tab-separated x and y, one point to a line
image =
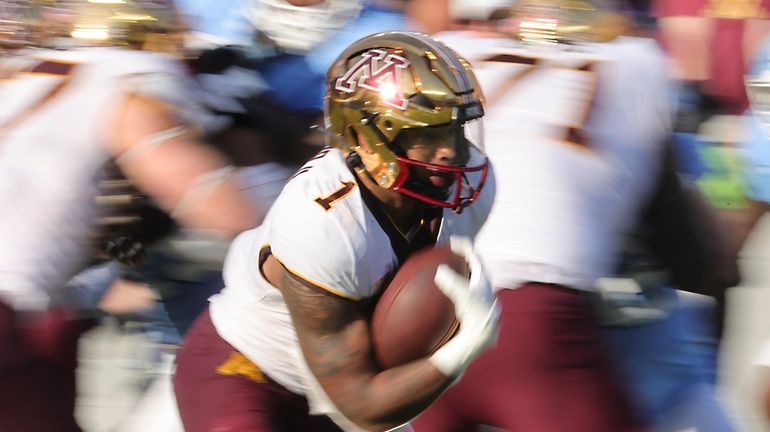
225	211
390	398
168	161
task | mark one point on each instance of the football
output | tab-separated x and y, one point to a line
413	318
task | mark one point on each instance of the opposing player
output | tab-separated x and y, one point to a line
579	119
755	149
287	341
86	95
756	159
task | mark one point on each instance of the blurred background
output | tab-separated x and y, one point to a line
259	69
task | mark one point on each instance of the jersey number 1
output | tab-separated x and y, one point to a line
340	193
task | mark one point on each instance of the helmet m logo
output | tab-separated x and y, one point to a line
380	72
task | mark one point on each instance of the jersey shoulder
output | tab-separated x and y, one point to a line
317	226
636	59
634	77
322	184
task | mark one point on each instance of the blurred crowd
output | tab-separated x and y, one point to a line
630	142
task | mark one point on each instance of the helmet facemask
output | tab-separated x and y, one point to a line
392	94
456	180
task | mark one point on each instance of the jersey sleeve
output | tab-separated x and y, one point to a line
318	244
639	78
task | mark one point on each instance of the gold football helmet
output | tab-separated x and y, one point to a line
390	87
568	21
140	24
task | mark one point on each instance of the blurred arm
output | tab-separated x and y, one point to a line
184	176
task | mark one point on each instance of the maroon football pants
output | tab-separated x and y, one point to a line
548	372
38	357
219	389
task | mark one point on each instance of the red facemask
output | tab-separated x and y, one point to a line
463	194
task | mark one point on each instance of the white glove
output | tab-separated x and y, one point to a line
475	307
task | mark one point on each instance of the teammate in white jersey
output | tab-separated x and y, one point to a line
65	113
287	341
580	127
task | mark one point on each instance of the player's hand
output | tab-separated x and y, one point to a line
126	250
475	307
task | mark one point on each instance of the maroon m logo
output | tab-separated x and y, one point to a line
378	71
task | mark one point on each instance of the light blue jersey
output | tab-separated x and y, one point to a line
224	23
756	148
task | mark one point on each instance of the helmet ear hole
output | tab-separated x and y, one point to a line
354	160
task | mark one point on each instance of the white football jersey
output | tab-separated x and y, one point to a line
321	229
55	106
576	135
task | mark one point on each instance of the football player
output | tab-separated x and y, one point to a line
756	156
88	93
286	345
756	160
579	118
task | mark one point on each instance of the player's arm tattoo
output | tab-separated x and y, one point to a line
334	335
319	312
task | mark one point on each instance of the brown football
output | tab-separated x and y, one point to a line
413	318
